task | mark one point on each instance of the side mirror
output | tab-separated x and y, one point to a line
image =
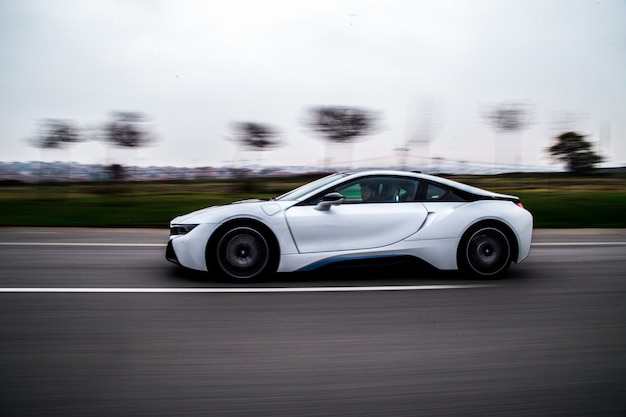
331	199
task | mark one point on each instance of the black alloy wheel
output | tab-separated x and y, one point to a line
485	252
243	253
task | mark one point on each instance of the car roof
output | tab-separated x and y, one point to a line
418	175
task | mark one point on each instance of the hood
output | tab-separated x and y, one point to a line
213	214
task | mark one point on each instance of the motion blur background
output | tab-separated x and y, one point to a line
439	76
96	92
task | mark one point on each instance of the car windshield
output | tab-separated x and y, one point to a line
299	193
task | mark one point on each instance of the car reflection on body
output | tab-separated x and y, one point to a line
449	225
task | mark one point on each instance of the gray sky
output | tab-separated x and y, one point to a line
430	68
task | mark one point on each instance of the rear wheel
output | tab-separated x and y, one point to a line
242	252
485	251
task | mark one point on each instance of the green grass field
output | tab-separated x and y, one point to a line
556	200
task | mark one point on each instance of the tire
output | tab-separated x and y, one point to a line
485	251
242	252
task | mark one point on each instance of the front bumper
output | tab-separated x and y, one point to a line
170	254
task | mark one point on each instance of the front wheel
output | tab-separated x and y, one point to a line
241	253
485	252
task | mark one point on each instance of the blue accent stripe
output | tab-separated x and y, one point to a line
327	262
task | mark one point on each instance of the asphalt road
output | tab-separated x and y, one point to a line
97	323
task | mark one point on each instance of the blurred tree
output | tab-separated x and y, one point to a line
252	136
340	124
572	149
55	134
508	118
116	172
255	136
127	130
424	122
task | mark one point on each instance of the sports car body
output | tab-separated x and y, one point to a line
356	216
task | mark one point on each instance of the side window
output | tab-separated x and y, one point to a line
390	189
383	189
435	193
407	190
362	191
352	193
380	190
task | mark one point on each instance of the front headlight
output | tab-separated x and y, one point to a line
181	229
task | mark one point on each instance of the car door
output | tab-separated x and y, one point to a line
354	224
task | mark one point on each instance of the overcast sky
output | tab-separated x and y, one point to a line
430	69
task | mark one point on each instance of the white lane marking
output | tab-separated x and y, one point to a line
82	244
245	290
579	244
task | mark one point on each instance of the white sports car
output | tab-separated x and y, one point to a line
356	216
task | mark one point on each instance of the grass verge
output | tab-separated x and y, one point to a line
556	200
